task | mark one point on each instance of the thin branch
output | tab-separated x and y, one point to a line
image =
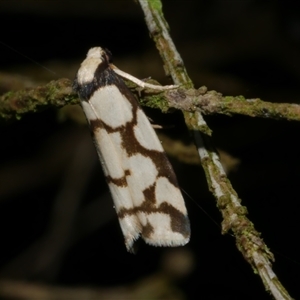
212	102
13	105
247	238
56	94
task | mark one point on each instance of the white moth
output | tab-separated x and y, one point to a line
140	177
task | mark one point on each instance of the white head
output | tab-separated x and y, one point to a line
95	57
96	52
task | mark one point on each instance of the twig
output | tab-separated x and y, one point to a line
56	94
247	238
13	105
212	102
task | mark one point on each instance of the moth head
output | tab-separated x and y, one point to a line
100	53
96	58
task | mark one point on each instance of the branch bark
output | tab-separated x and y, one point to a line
13	105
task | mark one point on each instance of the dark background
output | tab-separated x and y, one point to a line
58	225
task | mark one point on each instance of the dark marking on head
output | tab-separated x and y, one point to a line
103	76
109	56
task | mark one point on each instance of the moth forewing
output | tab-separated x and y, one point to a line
142	182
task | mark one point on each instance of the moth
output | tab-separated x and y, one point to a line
141	179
